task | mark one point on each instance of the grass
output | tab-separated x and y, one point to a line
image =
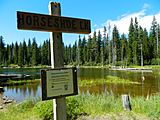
108	79
18	82
84	105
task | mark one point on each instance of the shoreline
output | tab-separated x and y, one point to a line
5	101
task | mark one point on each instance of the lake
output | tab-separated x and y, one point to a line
149	82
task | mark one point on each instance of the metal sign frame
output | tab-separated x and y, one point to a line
45	90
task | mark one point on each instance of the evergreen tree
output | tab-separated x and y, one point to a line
8	54
16	53
74	52
115	46
158	41
130	42
103	48
98	55
89	49
153	38
70	54
145	45
29	52
44	54
34	58
141	39
84	49
2	50
20	55
66	55
94	47
12	53
80	51
49	52
123	49
24	46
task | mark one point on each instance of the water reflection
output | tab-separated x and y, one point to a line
19	93
149	83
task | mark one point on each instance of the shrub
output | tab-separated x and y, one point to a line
44	109
74	107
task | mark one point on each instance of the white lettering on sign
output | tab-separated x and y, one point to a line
32	21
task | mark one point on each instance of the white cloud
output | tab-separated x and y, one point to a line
145	6
123	21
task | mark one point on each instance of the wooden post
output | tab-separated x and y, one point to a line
57	61
126	102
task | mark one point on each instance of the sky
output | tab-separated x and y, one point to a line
100	12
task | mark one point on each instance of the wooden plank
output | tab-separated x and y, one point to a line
41	22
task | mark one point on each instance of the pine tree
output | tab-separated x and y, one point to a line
152	38
94	47
145	46
24	46
34	58
49	52
66	55
16	53
44	54
8	54
123	49
84	49
99	39
103	48
2	50
20	55
12	53
74	52
141	39
136	45
115	46
158	40
89	50
80	51
130	42
70	54
29	52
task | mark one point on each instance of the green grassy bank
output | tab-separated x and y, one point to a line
18	82
108	79
83	105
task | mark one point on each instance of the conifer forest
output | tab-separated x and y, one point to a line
138	47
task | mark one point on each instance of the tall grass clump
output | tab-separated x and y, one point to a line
93	105
83	105
44	109
21	111
149	107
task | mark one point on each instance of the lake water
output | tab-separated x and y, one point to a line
149	83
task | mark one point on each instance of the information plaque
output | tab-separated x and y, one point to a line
58	83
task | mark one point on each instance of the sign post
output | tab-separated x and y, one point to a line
58	82
56	44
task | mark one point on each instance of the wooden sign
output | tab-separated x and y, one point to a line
40	22
58	83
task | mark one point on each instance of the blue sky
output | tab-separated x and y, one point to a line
100	13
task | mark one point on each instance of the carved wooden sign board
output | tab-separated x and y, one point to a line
40	22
